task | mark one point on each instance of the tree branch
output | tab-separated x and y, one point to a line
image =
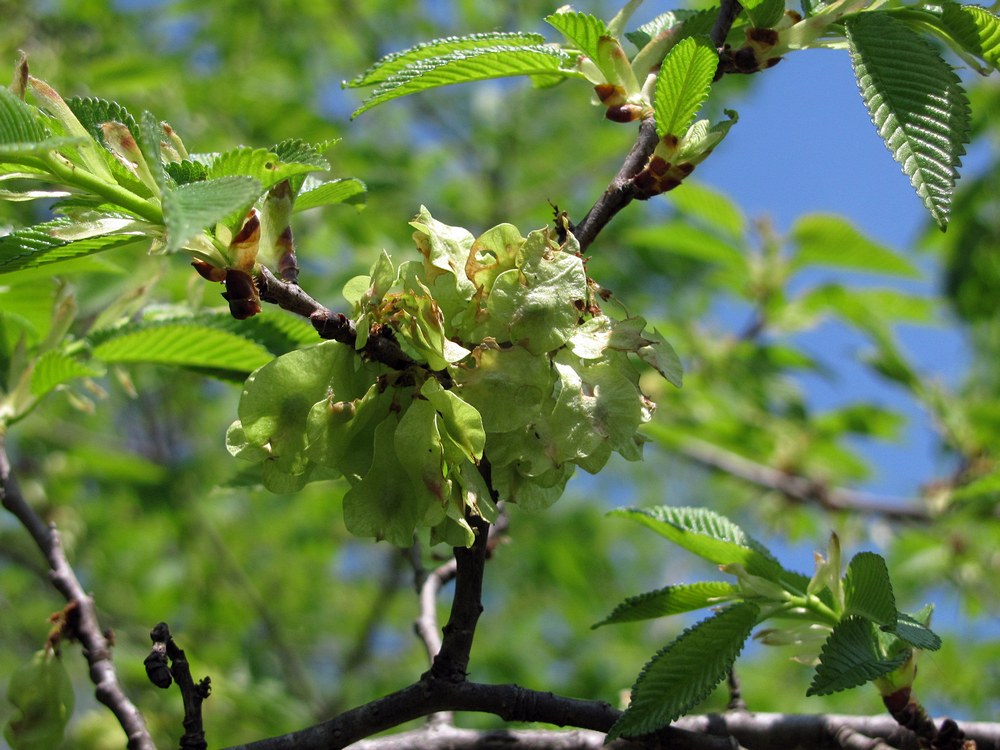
167	663
452	660
86	628
509	702
622	189
799	488
380	346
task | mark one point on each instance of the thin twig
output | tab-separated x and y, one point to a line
168	663
621	191
96	646
380	345
426	624
736	702
728	12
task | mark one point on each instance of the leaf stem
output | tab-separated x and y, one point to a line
70	174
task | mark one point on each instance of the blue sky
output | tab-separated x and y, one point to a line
804	124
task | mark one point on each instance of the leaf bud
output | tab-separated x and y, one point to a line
243	249
208	271
624	113
241	293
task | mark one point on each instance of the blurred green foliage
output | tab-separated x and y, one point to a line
293	618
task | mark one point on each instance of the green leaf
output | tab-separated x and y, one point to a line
682	85
463	422
382	504
508	387
867	589
764	14
55	368
684	673
183	172
42	693
261	164
708	535
55	241
93	112
185	344
975	29
690	22
463	66
150	135
19	123
829	240
189	209
297	151
670	600
535	304
582	29
684	239
712	209
395	63
850	657
914	633
345	190
916	102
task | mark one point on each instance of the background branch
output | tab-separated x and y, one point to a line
87	629
799	488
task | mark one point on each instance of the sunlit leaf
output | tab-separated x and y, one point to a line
55	368
670	600
462	66
975	28
917	104
189	209
682	84
42	244
582	29
764	14
708	535
392	64
180	343
345	190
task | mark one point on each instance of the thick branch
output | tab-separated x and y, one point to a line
780	731
798	488
761	731
96	647
509	702
452	661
